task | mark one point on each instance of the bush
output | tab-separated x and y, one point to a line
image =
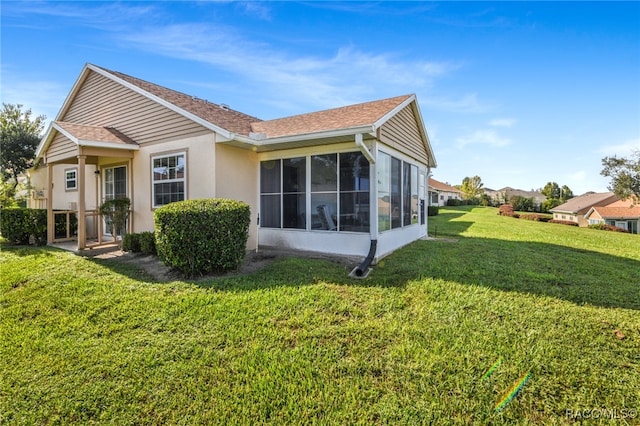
433	211
20	225
143	242
506	210
563	222
60	225
535	217
605	227
454	202
147	242
131	242
201	236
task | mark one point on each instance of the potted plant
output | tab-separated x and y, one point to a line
115	213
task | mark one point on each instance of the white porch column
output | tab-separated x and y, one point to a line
82	218
51	232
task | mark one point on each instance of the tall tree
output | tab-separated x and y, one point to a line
472	187
555	195
19	138
551	190
624	174
565	193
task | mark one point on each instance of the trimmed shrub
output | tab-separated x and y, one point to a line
143	242
563	222
202	236
605	227
20	225
506	210
147	242
433	211
454	202
535	217
131	242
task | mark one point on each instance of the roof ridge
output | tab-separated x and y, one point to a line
217	114
348	106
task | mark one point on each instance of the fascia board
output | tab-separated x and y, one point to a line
66	134
308	136
416	108
393	112
101	144
73	91
45	141
227	134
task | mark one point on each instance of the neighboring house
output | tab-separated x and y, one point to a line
329	181
502	196
624	214
575	209
440	193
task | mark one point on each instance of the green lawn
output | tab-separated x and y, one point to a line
90	341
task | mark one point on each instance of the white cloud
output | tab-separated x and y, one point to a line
309	81
623	149
502	122
483	137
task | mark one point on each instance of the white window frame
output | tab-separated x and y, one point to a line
183	179
68	180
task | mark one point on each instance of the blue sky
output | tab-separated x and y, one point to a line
517	93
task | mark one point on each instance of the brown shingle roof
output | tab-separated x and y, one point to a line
439	186
219	115
95	133
621	209
618	212
583	203
331	119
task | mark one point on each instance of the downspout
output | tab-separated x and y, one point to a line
362	270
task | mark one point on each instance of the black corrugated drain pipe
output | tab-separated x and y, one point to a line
362	270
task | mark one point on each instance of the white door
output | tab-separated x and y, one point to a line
114	186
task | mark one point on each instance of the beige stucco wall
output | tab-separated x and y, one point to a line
62	199
237	179
200	153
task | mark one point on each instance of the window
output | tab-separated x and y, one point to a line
169	176
383	167
398	189
115	182
354	192
270	193
71	180
324	192
294	198
335	186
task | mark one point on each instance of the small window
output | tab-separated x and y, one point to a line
71	180
169	178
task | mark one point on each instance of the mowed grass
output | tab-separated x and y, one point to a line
89	341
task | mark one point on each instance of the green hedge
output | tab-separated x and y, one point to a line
19	225
433	211
202	236
144	242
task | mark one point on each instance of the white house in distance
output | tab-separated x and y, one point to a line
440	193
329	181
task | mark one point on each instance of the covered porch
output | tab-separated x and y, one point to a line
75	157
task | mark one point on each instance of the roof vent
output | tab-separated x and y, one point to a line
224	107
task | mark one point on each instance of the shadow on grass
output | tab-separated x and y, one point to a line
576	275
